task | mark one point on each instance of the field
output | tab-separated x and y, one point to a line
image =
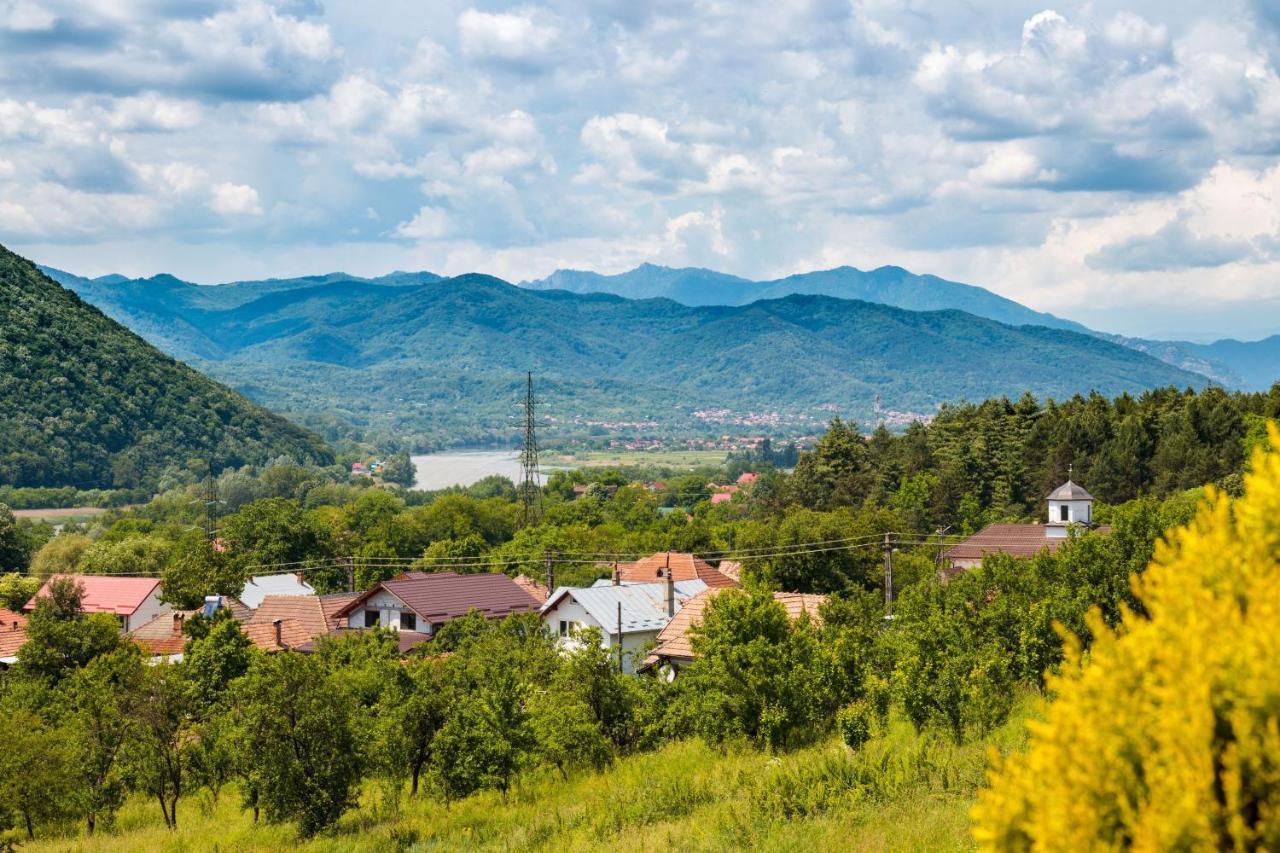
623	458
60	516
902	791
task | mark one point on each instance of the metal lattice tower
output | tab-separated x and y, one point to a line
530	487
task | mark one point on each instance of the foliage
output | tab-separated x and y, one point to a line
1165	734
129	411
60	638
196	569
16	590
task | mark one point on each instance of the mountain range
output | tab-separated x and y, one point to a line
1252	365
85	402
443	358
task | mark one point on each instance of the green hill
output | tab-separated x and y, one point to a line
446	358
87	403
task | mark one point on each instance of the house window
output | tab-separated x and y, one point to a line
372	618
408	622
1064	514
564	628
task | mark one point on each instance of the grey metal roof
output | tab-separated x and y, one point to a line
260	586
644	605
1070	491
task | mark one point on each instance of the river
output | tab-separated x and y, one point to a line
462	468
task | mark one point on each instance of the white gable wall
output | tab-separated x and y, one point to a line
149	609
388	607
575	616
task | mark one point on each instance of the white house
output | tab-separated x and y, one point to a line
1070	507
259	587
627	614
1068	504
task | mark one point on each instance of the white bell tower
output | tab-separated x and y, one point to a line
1068	504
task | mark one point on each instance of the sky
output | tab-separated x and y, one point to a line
1117	163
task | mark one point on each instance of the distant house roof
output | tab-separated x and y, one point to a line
731	569
306	610
408	640
264	635
531	586
721	498
684	567
1070	491
8	617
333	603
673	641
12	636
121	596
260	586
644	606
746	478
441	596
163	634
1018	540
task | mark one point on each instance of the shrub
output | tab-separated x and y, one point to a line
1168	735
854	722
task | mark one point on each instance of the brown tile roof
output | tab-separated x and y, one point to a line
408	640
11	639
731	569
684	567
333	603
263	635
162	636
539	592
673	641
8	617
1018	540
440	596
306	610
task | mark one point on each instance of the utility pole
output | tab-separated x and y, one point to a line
942	541
530	487
550	564
888	571
351	573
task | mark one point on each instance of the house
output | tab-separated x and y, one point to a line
259	587
747	478
1070	508
280	635
683	567
722	498
134	601
673	648
13	633
358	468
422	601
163	637
628	617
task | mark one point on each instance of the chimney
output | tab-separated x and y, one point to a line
671	589
276	623
617	574
15	624
177	623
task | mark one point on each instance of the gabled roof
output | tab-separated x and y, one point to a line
531	586
1018	540
440	596
684	567
163	634
1069	491
644	606
333	603
674	642
8	617
11	639
260	586
263	635
306	610
121	596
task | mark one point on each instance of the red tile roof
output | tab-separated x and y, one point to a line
684	567
539	592
263	635
163	634
440	596
673	641
11	639
102	594
306	610
333	603
1018	540
8	617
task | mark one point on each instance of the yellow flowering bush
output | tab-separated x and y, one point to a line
1165	734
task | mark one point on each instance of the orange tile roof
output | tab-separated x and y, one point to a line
306	610
163	634
11	639
673	641
539	592
263	635
684	567
332	603
1018	540
105	594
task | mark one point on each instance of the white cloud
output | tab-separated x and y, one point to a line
234	200
430	223
513	37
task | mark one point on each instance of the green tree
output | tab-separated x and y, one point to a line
398	468
272	531
60	555
212	662
36	778
61	639
196	569
299	746
16	590
158	758
14	548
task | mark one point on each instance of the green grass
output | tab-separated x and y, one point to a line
902	791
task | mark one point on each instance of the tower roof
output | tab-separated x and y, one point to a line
1070	491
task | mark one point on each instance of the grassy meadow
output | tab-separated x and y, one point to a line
901	791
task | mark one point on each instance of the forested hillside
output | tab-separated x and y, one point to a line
85	402
445	359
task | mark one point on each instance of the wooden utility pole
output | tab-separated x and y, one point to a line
888	570
351	573
549	561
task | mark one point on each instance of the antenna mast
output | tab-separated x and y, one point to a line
530	487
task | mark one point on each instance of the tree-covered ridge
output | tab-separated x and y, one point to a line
445	359
85	402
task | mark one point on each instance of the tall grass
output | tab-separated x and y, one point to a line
901	791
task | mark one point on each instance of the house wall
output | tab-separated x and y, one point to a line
634	644
150	608
1078	512
389	609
